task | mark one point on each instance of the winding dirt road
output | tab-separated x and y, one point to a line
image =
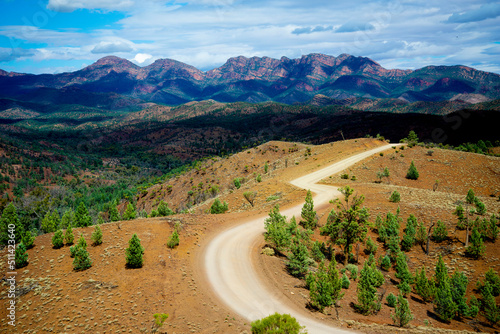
228	260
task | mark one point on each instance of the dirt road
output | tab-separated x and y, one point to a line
228	261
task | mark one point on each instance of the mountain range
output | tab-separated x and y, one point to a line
116	83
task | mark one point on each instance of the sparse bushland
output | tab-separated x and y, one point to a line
134	253
218	207
277	324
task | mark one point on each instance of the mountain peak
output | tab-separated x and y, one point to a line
113	61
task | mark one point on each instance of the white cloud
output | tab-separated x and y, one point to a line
141	57
67	6
109	47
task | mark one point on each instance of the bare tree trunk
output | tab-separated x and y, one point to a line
429	238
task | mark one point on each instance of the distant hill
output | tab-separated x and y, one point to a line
116	83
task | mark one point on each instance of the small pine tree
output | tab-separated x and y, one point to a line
174	239
82	217
56	219
391	300
164	210
266	167
134	253
443	303
412	172
441	272
423	287
470	198
29	239
367	293
404	288
309	219
68	235
258	178
298	260
100	220
96	236
490	308
345	281
130	212
371	247
421	236
67	219
458	285
114	215
218	207
316	252
402	313
386	263
440	232
58	239
395	197
21	256
410	232
476	246
237	183
47	224
402	271
82	259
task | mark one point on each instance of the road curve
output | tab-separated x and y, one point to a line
228	257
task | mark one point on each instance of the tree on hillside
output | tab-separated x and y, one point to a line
412	173
130	212
21	256
10	218
96	236
68	235
82	217
164	210
349	224
309	219
82	259
402	313
278	233
218	207
114	215
57	239
299	259
134	253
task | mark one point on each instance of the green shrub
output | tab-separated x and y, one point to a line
72	251
21	256
277	324
395	197
134	253
130	212
391	299
476	246
218	207
353	269
308	215
272	198
412	172
174	239
160	319
29	239
344	176
345	281
402	313
250	196
82	259
423	286
266	167
258	178
316	252
96	236
164	210
440	232
386	263
371	246
237	183
298	260
57	239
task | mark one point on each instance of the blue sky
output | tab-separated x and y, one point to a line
52	36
